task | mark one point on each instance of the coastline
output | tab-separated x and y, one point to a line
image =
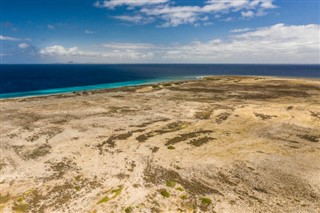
124	85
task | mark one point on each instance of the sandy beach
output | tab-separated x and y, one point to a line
217	144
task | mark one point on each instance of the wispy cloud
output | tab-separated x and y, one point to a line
135	19
128	46
7	38
23	45
89	32
132	3
174	15
276	44
240	30
279	43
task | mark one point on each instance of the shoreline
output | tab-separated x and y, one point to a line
98	87
149	82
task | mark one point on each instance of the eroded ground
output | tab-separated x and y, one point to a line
221	144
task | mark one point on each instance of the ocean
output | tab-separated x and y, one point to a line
34	80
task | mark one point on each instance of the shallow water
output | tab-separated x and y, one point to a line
32	80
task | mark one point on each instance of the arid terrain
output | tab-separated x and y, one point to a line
219	144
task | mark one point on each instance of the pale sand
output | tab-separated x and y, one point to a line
247	144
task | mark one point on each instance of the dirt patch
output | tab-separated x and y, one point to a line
121	110
222	117
290	133
315	114
152	122
38	152
204	114
59	169
263	116
171	127
57	197
48	133
159	175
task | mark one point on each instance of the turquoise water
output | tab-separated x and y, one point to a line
44	79
94	87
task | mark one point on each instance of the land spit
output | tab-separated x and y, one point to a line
219	144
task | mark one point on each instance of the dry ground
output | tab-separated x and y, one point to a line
220	144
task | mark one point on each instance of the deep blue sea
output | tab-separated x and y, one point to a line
31	80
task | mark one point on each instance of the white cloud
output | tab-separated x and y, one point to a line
135	19
276	44
134	3
58	50
279	43
187	14
89	32
247	14
23	45
241	30
7	38
112	55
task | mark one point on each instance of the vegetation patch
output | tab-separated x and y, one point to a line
180	189
4	198
289	108
310	138
155	149
206	201
111	195
122	176
167	85
197	90
128	210
171	147
201	141
164	193
171	184
184	137
20	207
111	142
171	127
184	197
121	110
156	87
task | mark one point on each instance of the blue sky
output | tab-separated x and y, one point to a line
160	31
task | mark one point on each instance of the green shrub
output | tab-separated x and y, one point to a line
165	193
171	183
